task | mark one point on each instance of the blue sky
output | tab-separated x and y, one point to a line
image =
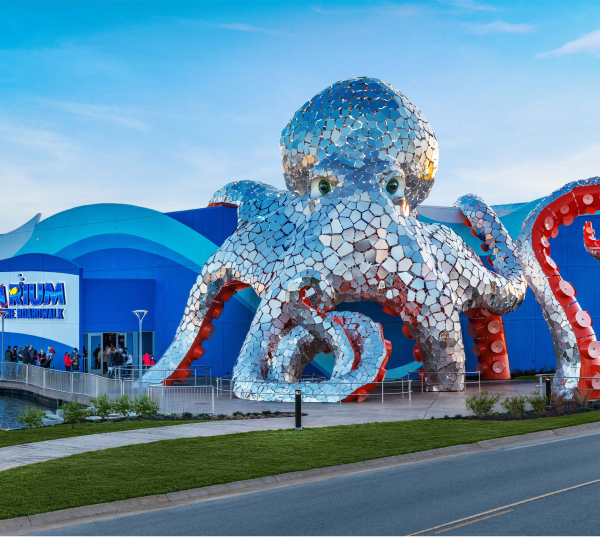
159	104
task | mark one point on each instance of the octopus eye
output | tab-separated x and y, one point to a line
324	187
392	186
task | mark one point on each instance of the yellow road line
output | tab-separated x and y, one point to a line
505	507
473	521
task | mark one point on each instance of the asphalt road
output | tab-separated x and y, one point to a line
406	500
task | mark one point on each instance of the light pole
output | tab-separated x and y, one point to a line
3	312
140	314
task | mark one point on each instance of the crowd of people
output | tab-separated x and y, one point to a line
30	356
113	357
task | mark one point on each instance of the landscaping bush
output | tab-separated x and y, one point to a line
481	404
123	406
144	407
103	406
187	416
32	417
515	406
559	403
538	403
74	413
580	399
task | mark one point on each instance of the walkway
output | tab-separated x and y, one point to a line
395	408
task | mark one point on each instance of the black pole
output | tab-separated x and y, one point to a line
548	391
298	410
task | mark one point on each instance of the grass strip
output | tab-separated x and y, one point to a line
15	437
173	465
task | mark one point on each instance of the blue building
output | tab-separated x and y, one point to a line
74	279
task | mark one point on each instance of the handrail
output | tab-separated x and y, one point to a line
464	373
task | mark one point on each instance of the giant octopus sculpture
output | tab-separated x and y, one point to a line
358	159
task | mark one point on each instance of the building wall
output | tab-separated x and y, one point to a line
135	258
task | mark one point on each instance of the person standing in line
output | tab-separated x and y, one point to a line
14	354
108	358
41	358
117	360
21	357
32	351
96	356
46	361
128	362
68	362
8	355
50	353
75	357
27	358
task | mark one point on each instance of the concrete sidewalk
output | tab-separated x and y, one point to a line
396	408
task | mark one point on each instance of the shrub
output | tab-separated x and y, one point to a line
187	416
32	417
482	404
144	407
581	399
559	403
103	406
538	403
74	413
123	405
515	406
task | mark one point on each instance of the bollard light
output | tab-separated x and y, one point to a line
298	410
548	392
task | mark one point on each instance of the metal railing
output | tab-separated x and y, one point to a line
199	376
180	399
392	386
446	375
565	380
169	398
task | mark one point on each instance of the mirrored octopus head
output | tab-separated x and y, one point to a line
360	131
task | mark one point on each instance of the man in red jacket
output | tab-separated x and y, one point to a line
68	362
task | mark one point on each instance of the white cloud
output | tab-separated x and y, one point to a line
499	27
524	181
589	43
120	115
234	26
239	27
469	4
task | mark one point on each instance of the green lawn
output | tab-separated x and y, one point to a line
25	436
172	465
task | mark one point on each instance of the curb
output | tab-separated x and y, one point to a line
102	511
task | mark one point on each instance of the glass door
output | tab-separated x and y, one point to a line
94	353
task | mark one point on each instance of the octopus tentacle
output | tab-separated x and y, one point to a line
592	245
206	301
506	290
577	351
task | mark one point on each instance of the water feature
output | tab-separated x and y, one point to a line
12	405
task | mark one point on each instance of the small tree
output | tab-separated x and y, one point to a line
32	417
144	407
123	405
482	404
74	413
515	406
103	406
538	403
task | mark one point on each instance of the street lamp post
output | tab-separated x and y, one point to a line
2	377
140	314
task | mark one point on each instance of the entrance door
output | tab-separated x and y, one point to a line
95	353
